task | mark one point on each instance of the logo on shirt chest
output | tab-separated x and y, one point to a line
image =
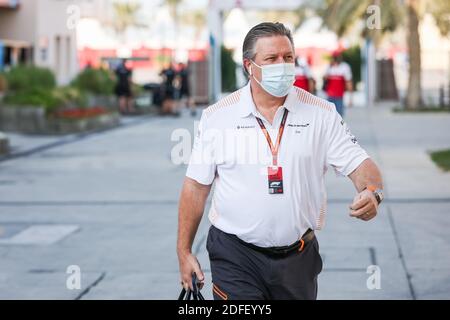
298	126
245	127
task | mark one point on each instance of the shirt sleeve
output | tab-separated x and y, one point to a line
347	72
202	167
344	153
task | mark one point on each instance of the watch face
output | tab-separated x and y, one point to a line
379	195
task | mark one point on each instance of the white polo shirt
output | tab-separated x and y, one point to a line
231	150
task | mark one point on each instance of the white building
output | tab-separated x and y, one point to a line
42	32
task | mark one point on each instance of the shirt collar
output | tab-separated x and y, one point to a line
248	106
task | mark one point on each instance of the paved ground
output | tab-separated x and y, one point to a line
108	203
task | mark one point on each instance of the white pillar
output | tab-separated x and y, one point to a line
215	41
369	72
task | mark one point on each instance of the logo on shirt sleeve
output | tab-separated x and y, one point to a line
349	133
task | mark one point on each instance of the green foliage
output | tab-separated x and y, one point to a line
440	9
95	81
137	89
3	83
442	159
341	16
126	16
34	97
48	99
71	96
31	86
353	57
228	70
23	77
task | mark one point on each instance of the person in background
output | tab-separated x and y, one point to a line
337	80
169	91
123	88
303	76
184	94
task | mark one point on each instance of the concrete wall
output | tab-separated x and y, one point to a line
54	29
44	24
19	24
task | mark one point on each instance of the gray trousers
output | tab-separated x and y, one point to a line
243	273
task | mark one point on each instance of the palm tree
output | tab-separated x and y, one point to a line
279	15
342	15
173	9
441	13
414	93
196	19
125	16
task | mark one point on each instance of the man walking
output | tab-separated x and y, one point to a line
264	213
337	80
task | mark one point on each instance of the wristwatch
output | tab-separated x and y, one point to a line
377	192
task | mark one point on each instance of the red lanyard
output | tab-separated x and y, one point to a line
274	149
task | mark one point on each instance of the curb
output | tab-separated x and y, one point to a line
71	139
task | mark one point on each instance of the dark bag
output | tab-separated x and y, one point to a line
191	294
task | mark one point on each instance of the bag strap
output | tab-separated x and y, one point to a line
194	294
182	294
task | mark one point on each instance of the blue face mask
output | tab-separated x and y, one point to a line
277	79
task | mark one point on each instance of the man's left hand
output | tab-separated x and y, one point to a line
364	206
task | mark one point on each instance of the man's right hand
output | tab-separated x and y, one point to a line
188	266
192	204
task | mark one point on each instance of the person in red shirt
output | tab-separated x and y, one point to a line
303	76
337	80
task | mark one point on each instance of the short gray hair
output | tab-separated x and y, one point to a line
265	29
